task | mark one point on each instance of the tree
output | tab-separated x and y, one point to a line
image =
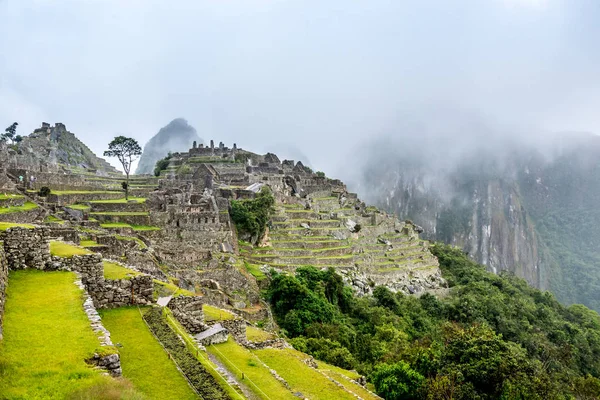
10	134
126	150
397	381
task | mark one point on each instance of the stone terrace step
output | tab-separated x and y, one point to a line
294	252
274	259
307	244
313	223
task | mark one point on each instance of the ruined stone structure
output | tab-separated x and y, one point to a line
366	246
188	312
28	248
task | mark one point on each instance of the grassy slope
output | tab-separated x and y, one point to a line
47	337
301	377
144	361
115	271
212	313
239	360
25	207
62	249
5	225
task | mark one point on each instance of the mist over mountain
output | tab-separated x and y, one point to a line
516	200
177	135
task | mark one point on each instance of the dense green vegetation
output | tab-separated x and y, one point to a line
47	338
251	216
492	337
162	164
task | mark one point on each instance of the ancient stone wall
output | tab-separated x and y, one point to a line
25	217
12	202
3	284
237	329
66	199
26	248
109	293
188	312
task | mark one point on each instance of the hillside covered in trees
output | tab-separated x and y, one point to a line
492	337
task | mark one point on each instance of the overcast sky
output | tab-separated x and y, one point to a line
320	76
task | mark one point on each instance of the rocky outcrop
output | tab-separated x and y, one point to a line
177	135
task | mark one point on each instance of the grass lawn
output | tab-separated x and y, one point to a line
25	207
47	338
255	334
115	271
212	313
5	196
53	219
162	289
61	192
145	228
144	361
115	225
136	199
121	213
239	360
63	249
88	243
5	225
300	376
109	225
80	207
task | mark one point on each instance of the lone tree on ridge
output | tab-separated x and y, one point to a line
10	134
126	150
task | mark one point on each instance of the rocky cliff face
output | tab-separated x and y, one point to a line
522	210
176	136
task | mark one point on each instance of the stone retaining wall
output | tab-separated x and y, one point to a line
24	217
188	312
12	202
108	293
26	248
3	284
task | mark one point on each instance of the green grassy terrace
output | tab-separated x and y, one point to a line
145	363
115	271
5	225
28	206
120	213
255	334
212	313
301	377
6	196
257	377
119	201
62	249
47	338
141	228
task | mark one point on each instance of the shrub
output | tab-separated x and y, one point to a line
397	381
251	216
162	164
44	191
321	174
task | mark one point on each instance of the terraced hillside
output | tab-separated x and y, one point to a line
367	248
